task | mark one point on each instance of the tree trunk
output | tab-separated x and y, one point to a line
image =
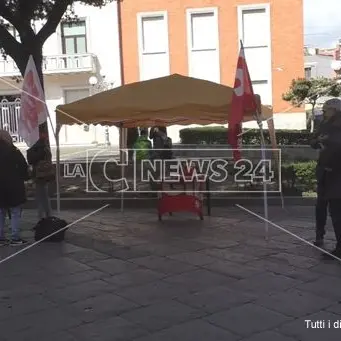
21	61
312	122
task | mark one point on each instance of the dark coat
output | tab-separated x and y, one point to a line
38	152
330	162
13	174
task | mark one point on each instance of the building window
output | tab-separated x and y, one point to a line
203	44
307	72
73	95
254	31
74	37
153	45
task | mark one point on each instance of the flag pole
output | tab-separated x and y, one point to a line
265	193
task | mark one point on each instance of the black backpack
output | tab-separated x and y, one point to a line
47	226
167	146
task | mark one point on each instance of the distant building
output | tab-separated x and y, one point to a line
322	62
317	65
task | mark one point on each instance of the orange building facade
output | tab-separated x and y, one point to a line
201	38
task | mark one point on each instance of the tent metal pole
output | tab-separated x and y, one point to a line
122	161
58	168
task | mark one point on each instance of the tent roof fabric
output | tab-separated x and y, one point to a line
169	100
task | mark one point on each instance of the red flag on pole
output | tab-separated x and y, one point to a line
33	111
243	102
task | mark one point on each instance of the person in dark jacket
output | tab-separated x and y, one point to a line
330	162
38	153
13	174
321	207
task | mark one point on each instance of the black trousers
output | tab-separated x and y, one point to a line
335	214
321	212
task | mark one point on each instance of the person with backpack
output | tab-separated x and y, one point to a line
142	146
162	144
13	174
40	158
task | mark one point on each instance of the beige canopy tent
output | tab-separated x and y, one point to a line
169	100
164	101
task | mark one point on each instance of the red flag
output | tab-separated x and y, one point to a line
243	102
33	111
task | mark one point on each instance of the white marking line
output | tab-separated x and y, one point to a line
288	232
52	234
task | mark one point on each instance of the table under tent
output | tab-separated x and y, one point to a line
164	101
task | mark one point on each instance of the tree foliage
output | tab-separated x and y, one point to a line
22	14
308	91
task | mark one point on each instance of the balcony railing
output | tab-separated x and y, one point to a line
71	63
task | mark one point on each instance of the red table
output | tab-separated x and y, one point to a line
190	199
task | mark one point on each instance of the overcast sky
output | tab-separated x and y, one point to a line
322	19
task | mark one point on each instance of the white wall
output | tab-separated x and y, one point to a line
102	38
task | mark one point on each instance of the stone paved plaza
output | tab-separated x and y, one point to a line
121	277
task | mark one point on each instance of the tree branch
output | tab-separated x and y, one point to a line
8	15
8	43
53	20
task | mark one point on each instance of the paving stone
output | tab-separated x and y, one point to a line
335	308
304	275
189	245
23	291
112	329
294	303
216	299
134	278
197	330
194	258
89	256
101	306
11	308
162	315
247	319
113	266
78	292
76	278
265	283
268	336
64	265
42	322
198	280
163	264
295	260
330	269
298	328
326	286
233	269
153	292
227	254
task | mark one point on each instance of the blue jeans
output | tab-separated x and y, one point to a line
43	200
15	219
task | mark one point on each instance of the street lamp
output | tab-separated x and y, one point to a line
98	86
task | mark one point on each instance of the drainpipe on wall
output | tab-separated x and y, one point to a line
120	44
123	131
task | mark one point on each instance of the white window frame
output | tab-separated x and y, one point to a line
201	10
143	15
71	88
87	37
267	7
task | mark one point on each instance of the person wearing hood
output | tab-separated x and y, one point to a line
13	174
